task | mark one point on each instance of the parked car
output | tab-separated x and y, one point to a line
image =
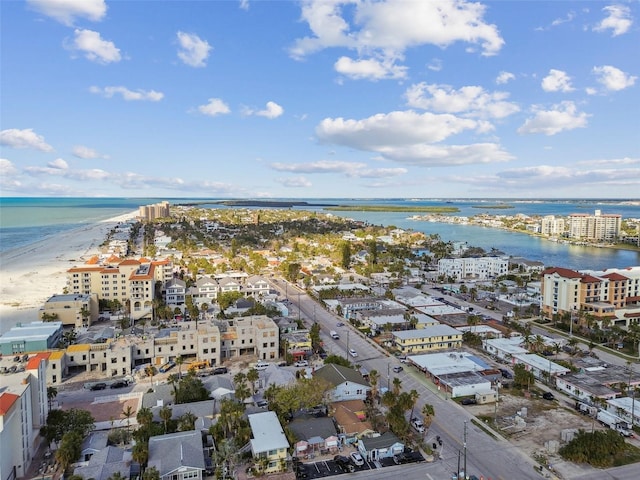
344	463
548	396
98	386
118	384
220	370
339	324
261	366
356	459
353	353
469	401
403	359
417	424
398	369
506	373
301	363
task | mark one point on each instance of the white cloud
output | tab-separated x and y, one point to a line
395	128
296	182
244	5
7	169
26	138
385	29
215	107
86	153
618	20
561	117
66	11
58	164
94	47
473	101
350	169
273	110
613	78
193	50
553	176
435	65
557	81
369	69
448	155
128	95
504	77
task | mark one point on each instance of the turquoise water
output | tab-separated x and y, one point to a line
26	220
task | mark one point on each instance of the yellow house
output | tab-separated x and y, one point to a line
428	339
269	445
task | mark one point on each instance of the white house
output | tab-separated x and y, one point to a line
348	384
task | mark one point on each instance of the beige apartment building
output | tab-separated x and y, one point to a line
612	295
597	227
123	280
78	310
255	336
552	226
157	210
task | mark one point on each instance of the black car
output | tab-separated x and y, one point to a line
118	384
468	401
98	386
301	470
344	463
548	396
220	370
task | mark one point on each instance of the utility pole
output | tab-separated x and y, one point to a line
464	445
495	407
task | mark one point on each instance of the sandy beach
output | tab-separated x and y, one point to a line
32	274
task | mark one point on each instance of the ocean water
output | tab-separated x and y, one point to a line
26	220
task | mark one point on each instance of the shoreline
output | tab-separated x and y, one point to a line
33	273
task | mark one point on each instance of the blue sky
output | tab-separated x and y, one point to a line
320	99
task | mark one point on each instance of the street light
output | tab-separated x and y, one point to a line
388	375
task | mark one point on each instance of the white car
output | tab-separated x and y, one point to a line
261	366
418	425
357	459
301	363
353	353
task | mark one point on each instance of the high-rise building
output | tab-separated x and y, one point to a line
597	227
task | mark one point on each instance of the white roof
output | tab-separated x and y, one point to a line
447	363
542	364
267	432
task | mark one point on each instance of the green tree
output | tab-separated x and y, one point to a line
52	393
428	412
337	360
165	415
140	454
127	413
144	417
151	474
252	377
186	422
522	377
69	449
345	254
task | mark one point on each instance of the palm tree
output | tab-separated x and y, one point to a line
179	362
127	413
151	474
149	370
165	415
173	380
428	413
140	454
397	386
374	376
52	393
413	398
144	417
186	422
252	378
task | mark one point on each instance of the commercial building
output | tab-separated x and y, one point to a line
156	210
32	337
436	337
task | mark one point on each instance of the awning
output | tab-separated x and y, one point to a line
301	446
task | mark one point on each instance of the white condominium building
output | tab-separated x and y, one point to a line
473	268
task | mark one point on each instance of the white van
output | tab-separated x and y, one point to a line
261	366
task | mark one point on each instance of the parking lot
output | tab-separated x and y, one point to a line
328	467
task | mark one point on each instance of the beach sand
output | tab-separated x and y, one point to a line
32	274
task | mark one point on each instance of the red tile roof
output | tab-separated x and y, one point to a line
563	272
616	277
34	362
6	402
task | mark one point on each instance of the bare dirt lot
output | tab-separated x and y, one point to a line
107	411
541	433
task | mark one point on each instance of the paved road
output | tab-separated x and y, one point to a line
487	456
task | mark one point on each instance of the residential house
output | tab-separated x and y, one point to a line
178	456
346	383
175	292
256	286
107	462
269	444
384	446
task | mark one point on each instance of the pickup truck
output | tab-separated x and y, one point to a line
417	424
